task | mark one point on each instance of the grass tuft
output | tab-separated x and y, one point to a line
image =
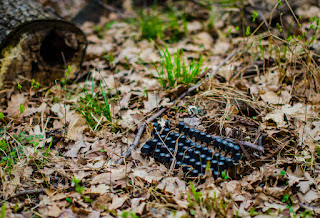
93	109
174	70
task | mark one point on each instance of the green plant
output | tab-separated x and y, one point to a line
9	155
126	214
176	71
196	196
151	25
21	108
95	107
170	25
76	183
176	26
3	210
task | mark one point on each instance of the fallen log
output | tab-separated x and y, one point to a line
36	43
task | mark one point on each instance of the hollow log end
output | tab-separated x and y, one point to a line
41	50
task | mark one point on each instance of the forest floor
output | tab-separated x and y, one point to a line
59	144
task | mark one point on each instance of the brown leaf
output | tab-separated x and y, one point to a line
118	201
74	149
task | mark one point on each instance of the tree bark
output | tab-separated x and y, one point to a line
36	44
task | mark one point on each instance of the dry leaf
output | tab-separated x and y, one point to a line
118	201
74	149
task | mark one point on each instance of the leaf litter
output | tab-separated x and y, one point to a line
267	94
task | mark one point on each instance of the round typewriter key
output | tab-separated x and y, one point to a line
222	159
197	165
204	150
202	136
171	134
156	154
186	129
190	152
165	131
180	156
180	147
209	159
198	148
194	173
196	134
164	149
214	164
171	151
196	155
178	164
171	161
216	174
156	125
236	157
221	166
162	138
186	159
210	153
176	136
187	142
208	139
203	158
217	141
236	149
191	132
229	162
193	144
181	125
229	147
159	145
146	149
172	144
203	168
154	142
166	158
192	161
223	144
149	143
216	156
161	157
182	139
185	148
168	140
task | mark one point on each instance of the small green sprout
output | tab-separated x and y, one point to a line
254	16
21	108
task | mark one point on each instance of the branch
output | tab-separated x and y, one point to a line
162	110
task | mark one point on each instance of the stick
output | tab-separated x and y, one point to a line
162	110
28	192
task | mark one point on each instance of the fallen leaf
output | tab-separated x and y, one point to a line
118	201
74	149
124	103
152	102
173	185
114	175
16	100
311	196
150	177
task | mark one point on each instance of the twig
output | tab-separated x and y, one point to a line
162	110
28	192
